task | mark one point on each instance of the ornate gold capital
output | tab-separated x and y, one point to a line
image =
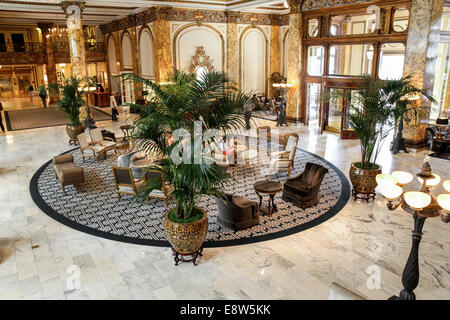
232	16
67	4
163	13
295	5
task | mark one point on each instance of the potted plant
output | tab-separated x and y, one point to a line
189	103
71	101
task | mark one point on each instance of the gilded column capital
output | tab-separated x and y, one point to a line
295	5
163	13
65	5
232	16
275	19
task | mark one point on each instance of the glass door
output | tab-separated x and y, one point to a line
127	90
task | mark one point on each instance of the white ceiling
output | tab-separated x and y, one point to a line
103	11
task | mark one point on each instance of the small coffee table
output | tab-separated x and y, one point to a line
271	188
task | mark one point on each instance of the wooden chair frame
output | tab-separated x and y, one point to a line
164	189
132	185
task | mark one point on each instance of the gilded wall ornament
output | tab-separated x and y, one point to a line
320	4
201	60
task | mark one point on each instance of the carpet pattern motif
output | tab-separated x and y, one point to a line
39	118
95	208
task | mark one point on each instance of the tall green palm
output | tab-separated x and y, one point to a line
183	102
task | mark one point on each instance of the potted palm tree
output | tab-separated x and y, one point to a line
189	103
376	108
70	102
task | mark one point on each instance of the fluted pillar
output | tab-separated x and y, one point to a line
73	10
293	111
50	61
420	59
232	46
161	44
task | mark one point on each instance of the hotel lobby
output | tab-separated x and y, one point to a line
225	150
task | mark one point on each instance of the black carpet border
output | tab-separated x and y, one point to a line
35	195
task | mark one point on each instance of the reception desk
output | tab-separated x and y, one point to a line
101	99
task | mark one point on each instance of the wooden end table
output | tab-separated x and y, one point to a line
271	188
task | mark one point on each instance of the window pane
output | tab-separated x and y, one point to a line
445	22
353	24
352	60
392	57
315	60
401	20
313	28
313	101
440	90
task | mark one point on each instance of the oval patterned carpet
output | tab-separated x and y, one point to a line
94	209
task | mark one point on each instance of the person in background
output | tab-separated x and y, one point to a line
113	104
1	118
43	95
31	92
248	107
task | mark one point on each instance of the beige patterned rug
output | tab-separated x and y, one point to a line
38	118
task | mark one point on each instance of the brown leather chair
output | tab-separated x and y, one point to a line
237	212
303	190
67	172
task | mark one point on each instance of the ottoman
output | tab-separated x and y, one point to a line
67	172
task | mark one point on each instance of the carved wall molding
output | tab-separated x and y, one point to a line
200	59
199	16
296	5
321	4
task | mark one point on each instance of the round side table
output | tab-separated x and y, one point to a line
270	188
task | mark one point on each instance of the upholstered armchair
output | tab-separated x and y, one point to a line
164	191
284	160
285	138
303	190
67	172
125	182
90	150
237	212
97	138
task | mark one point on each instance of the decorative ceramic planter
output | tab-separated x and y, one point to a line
364	182
74	131
186	238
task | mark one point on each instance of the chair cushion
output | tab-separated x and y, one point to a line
279	163
138	183
97	148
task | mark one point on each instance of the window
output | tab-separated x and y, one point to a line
353	24
440	92
315	60
313	28
313	102
350	60
392	57
401	20
445	21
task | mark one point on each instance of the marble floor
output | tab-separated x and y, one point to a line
42	259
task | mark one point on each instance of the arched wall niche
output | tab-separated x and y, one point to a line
191	36
254	60
127	55
112	59
146	53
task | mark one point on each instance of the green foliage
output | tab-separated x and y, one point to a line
376	107
178	104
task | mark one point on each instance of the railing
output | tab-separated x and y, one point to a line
64	46
21	47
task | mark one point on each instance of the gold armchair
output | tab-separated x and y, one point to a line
125	181
90	150
164	192
284	160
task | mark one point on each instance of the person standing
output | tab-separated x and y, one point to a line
248	107
31	92
1	118
113	104
43	95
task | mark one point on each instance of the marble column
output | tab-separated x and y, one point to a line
233	47
50	62
162	49
275	51
293	110
73	10
420	59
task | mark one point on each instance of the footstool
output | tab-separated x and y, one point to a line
67	172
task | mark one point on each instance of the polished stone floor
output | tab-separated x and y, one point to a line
43	259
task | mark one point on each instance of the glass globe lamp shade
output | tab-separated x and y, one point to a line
417	200
403	177
391	192
447	185
434	181
444	201
385	180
